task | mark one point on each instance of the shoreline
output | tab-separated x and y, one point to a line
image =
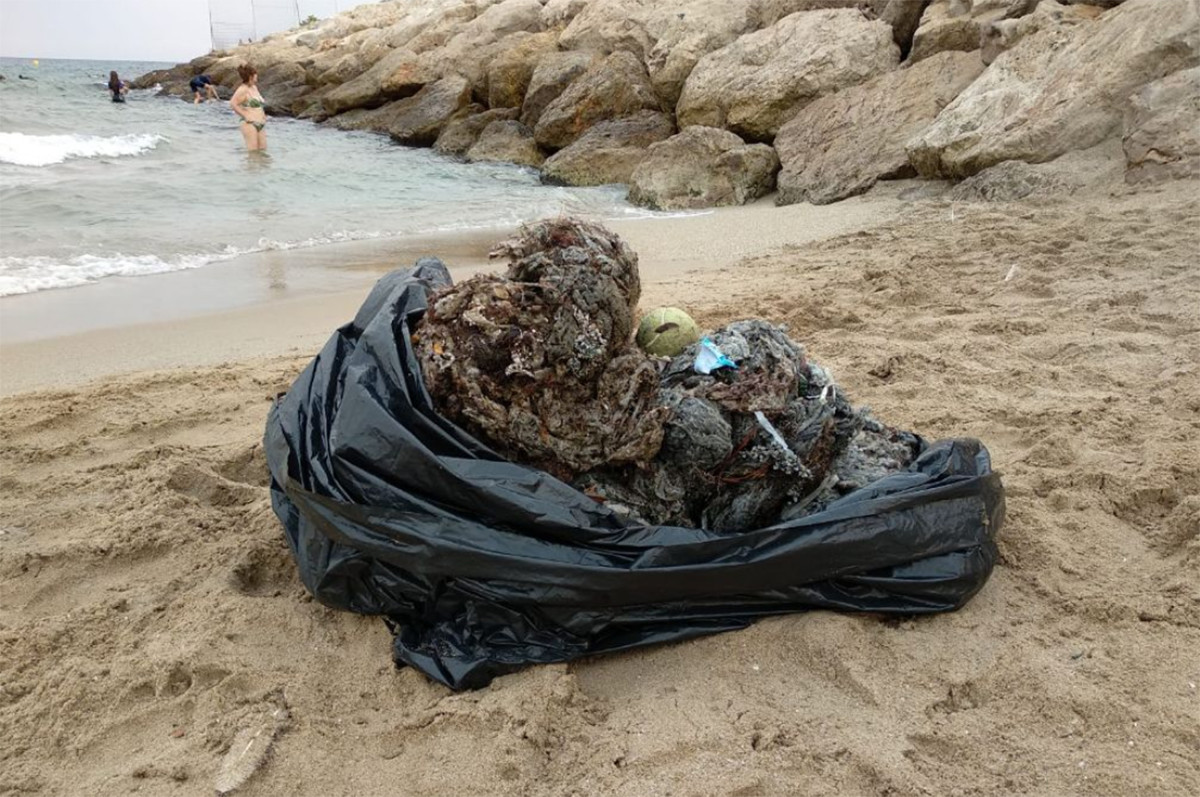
271	303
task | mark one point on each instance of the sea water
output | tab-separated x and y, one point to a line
91	189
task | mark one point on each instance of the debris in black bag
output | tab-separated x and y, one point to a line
876	451
540	362
743	443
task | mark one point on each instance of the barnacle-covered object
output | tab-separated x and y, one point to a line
539	362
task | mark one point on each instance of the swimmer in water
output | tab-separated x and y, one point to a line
202	89
117	87
248	104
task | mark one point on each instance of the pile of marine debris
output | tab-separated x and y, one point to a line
736	431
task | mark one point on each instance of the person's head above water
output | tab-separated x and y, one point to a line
247	73
114	82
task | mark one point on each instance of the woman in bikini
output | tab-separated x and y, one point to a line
248	104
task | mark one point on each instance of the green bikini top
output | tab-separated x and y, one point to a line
253	102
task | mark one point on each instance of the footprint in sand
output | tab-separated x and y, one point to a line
210	488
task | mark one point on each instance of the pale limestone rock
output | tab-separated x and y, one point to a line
1060	89
550	77
760	81
703	167
617	86
841	144
608	152
1162	129
507	141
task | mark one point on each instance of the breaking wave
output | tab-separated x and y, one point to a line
23	149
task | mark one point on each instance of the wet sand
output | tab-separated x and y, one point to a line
290	301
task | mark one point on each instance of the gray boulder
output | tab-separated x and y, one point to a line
417	120
402	73
550	78
508	141
1010	181
608	27
759	82
685	31
508	75
461	132
283	85
1060	89
617	86
769	12
839	145
945	26
1162	129
1004	34
703	167
904	16
608	152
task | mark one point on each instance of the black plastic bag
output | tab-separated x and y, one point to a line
482	565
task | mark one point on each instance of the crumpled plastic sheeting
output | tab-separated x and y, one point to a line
482	565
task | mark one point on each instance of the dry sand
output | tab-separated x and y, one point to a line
149	610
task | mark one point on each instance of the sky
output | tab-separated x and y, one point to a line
140	30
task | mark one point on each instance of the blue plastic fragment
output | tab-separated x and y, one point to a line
709	358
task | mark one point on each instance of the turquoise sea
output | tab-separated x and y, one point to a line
91	189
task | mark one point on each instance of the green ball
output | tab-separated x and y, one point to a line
666	332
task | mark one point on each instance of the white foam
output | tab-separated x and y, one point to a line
38	273
23	149
30	274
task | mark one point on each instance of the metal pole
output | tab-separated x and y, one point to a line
212	33
253	22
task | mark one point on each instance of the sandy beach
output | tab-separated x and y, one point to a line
149	608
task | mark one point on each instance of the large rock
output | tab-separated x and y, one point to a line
400	74
1060	89
686	31
960	24
507	141
499	29
755	85
608	152
670	36
617	86
703	167
839	145
1162	129
945	26
1010	181
337	70
559	13
550	78
508	75
282	85
446	26
417	120
461	132
609	26
769	12
1004	34
904	16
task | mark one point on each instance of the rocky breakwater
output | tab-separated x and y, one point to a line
696	103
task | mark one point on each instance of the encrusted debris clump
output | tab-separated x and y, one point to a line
540	364
744	448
